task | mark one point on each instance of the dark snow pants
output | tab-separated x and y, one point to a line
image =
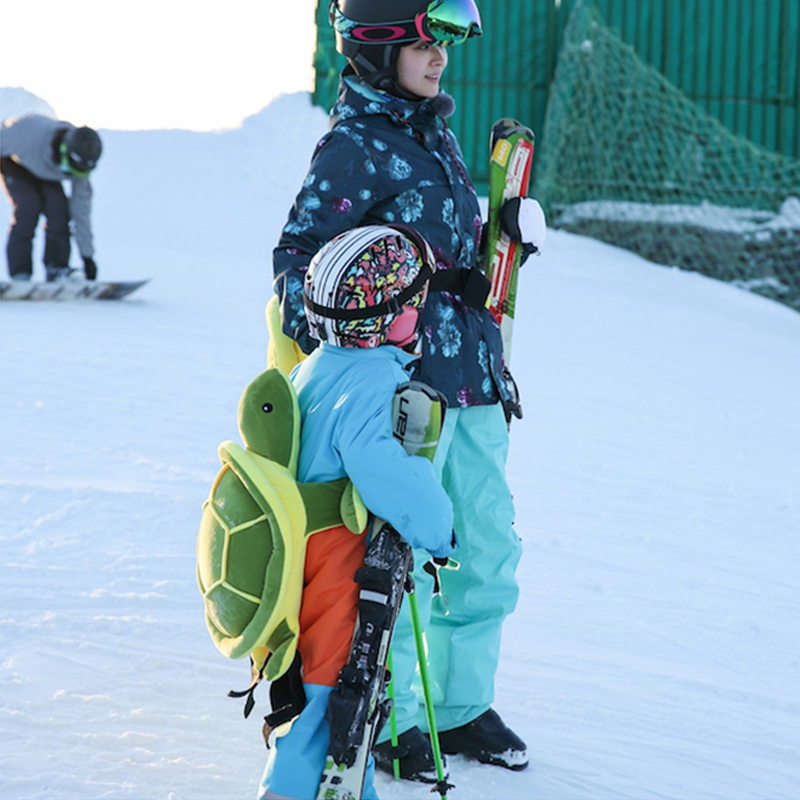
30	198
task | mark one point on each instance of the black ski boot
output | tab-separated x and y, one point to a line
415	754
487	739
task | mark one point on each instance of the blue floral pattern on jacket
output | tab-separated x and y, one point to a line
391	160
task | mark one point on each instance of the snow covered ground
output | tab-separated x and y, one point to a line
655	652
705	215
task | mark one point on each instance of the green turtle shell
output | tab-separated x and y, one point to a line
251	550
252	538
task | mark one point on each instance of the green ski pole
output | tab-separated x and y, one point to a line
442	786
393	719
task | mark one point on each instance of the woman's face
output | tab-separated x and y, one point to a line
420	67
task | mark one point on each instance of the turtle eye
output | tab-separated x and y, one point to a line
266	408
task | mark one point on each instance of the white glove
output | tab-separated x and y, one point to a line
523	220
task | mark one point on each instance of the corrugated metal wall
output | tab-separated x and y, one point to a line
739	60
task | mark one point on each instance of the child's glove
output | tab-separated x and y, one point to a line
522	219
436	563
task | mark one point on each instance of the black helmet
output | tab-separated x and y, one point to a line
80	151
368	32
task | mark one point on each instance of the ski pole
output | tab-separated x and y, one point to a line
442	786
393	719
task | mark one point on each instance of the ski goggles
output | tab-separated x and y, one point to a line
67	166
405	327
444	22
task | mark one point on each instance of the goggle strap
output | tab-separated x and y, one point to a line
404	31
66	165
392	305
419	24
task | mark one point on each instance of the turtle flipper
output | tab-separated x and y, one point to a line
333	503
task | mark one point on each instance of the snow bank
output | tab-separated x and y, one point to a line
16	101
703	215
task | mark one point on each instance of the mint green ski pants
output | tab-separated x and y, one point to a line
463	624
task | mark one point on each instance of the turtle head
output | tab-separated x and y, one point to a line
269	418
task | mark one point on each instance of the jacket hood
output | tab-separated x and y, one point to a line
357	99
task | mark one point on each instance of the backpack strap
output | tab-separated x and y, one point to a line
287	698
287	695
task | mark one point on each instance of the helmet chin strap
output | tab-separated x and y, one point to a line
389	83
383	78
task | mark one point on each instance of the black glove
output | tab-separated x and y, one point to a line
512	406
90	268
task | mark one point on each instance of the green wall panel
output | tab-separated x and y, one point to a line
739	60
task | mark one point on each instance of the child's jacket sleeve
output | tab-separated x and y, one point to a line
399	488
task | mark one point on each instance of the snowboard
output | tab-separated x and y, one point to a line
68	290
510	162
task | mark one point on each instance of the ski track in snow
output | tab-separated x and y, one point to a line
655	650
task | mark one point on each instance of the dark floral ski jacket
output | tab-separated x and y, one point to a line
392	160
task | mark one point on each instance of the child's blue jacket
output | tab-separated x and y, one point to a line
345	397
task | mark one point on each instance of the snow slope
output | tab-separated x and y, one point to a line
655	652
16	101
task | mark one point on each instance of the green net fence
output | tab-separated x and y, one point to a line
628	159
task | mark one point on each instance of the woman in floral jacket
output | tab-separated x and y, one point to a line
390	157
392	160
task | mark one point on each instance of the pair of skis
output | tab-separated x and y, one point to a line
510	163
358	706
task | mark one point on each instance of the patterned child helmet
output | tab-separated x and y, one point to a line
367	286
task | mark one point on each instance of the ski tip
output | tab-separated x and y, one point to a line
508	126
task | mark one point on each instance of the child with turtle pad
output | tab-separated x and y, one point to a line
378	277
